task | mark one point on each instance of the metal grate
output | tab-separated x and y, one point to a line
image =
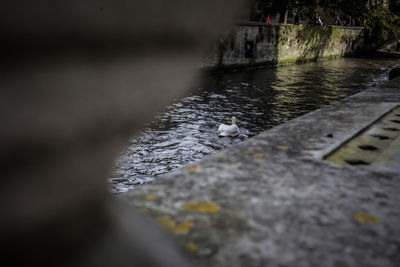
373	146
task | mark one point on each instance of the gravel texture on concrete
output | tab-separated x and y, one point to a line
273	200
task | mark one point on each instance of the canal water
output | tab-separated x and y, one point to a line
260	99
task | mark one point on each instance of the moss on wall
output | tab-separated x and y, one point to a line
258	44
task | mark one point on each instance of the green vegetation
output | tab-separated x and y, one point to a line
379	17
302	8
395	6
381	25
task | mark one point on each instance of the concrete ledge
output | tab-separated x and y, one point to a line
273	201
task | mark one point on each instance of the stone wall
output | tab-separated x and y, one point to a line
259	44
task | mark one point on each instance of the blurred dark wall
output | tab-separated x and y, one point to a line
78	78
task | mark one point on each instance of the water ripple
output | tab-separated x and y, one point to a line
260	99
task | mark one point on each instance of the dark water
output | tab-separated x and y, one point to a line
260	99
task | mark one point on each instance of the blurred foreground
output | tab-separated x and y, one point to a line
78	78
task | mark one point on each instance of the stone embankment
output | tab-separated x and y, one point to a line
391	49
252	44
321	190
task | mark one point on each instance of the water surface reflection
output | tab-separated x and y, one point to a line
260	99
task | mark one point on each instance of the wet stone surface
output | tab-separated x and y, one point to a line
273	201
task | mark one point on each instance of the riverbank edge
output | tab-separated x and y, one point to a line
275	193
257	44
269	64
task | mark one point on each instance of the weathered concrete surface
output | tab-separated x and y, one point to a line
260	44
273	201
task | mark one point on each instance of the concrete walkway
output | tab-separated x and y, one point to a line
273	200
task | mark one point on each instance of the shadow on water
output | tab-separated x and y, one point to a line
263	98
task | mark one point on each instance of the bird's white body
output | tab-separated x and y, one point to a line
229	130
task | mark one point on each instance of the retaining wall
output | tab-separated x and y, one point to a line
260	44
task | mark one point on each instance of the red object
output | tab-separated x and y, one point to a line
269	20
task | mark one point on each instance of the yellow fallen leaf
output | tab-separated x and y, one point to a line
186	224
151	197
282	147
166	222
192	168
202	207
259	155
183	227
366	218
190	246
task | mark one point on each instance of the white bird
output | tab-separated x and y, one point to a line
229	130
